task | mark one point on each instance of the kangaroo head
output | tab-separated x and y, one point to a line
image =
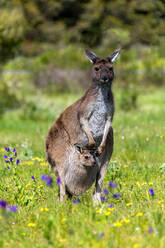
85	157
102	68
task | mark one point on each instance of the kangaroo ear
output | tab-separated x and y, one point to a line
114	56
91	56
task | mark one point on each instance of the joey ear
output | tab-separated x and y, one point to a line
78	147
91	56
114	56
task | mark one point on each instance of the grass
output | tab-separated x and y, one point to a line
137	218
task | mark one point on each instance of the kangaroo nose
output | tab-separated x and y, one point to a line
104	79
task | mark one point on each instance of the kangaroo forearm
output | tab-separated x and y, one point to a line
85	127
108	124
106	131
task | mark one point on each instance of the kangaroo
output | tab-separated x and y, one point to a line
81	170
87	122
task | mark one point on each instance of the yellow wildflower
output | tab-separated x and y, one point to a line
117	224
27	185
98	211
126	221
23	234
35	159
150	183
29	162
2	149
31	224
107	213
160	202
41	160
44	209
63	220
144	183
139	214
62	240
137	183
110	209
129	204
136	246
38	159
40	186
44	164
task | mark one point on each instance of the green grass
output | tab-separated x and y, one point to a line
41	221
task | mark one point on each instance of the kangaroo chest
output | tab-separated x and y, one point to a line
98	113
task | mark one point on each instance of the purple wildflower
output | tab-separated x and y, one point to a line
7	161
76	201
101	235
116	196
105	191
43	177
151	192
12	208
15	154
17	162
112	185
11	159
58	180
48	179
14	150
110	206
8	167
150	230
102	198
5	156
3	204
33	177
7	149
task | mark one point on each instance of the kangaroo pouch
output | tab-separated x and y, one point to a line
80	179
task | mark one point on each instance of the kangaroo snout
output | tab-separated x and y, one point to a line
104	80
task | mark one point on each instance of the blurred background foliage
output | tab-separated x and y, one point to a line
42	48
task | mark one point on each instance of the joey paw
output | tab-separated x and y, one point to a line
99	151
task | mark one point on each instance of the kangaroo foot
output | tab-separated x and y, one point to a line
96	199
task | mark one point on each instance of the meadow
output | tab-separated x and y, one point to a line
132	212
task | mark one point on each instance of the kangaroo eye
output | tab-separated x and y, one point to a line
110	68
86	157
96	68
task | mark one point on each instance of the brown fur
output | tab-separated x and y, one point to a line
72	125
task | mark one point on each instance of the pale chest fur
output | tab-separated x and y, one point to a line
98	111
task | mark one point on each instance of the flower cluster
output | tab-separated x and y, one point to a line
48	179
76	201
11	157
11	208
112	186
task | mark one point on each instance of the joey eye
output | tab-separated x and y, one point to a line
86	157
96	68
110	68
